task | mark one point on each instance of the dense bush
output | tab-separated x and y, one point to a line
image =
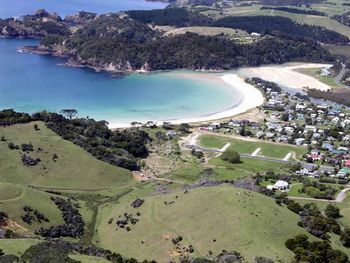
74	223
178	17
315	251
345	237
332	211
10	117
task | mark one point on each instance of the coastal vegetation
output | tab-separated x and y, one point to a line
126	42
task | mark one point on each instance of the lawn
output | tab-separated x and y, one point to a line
220	218
315	73
73	169
248	147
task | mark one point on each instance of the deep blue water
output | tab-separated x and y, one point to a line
32	83
17	8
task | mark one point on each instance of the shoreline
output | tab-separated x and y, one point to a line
252	98
286	76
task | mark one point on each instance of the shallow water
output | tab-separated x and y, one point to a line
32	83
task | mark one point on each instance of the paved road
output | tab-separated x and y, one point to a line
339	199
341	196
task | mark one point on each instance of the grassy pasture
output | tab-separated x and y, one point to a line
323	21
221	218
16	247
10	191
36	200
74	168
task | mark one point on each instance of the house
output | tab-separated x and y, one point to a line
299	141
325	72
343	172
347	163
281	185
327	146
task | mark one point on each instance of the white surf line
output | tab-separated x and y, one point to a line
223	149
255	153
287	157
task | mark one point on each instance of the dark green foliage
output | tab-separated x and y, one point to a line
295	207
315	251
231	156
3	218
45	252
332	211
295	10
316	224
281	26
263	260
38	25
10	117
178	17
112	26
8	259
343	18
345	237
318	190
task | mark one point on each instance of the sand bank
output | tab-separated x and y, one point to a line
287	76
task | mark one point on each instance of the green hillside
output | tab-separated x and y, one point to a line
73	168
209	219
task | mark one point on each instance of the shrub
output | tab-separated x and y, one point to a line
332	211
231	156
345	237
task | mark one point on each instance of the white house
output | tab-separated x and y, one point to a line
281	185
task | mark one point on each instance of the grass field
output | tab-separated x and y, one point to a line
314	72
225	170
248	147
88	259
221	218
16	246
10	191
74	168
36	200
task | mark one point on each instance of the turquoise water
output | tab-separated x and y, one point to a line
16	8
32	83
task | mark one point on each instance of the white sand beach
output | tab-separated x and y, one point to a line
251	98
284	75
287	76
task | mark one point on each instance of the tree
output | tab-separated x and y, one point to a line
69	113
332	211
345	237
231	156
295	207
